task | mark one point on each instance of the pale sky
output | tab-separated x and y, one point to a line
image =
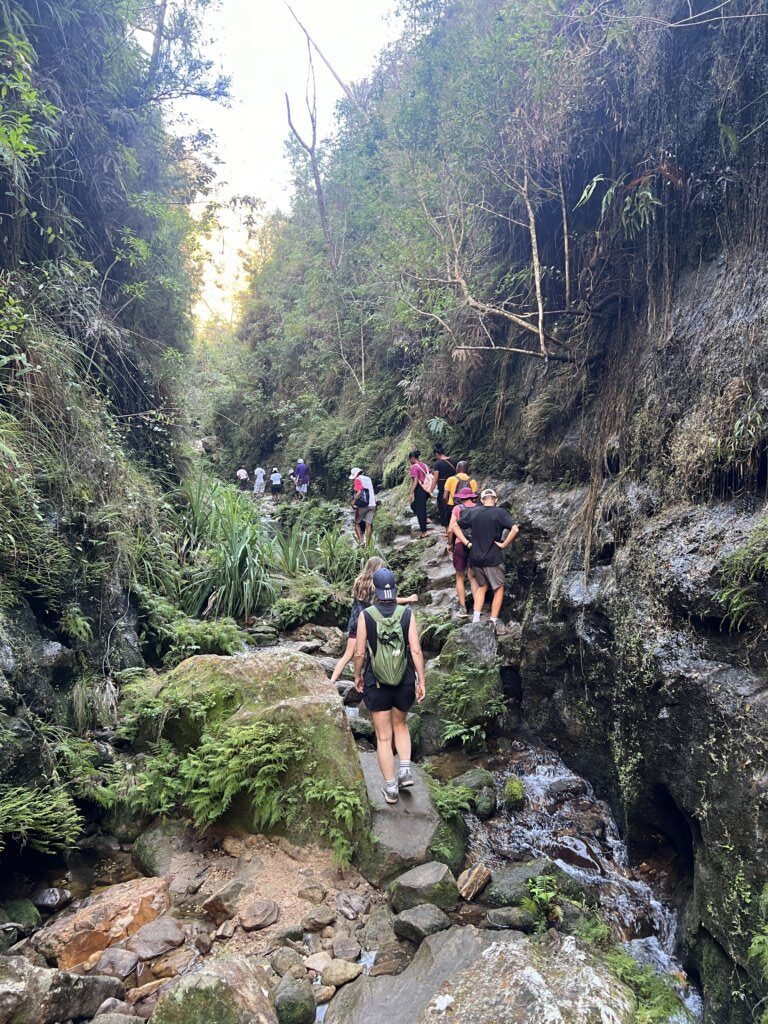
264	51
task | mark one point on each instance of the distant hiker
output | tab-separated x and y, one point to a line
362	596
242	479
486	549
363	503
276	483
466	498
302	478
389	672
420	489
259	479
443	469
461	479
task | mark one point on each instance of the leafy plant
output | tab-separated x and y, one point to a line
656	996
451	802
45	818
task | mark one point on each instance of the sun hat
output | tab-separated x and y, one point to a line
488	493
355	471
465	494
384	584
299	462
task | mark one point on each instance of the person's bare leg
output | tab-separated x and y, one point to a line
344	660
461	592
401	734
382	723
472	584
480	593
498	597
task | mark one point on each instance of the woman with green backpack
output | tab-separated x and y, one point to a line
389	672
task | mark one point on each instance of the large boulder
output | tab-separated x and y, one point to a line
228	991
481	976
464	686
41	995
105	919
428	883
222	698
406	833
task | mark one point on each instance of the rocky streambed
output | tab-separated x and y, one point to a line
486	916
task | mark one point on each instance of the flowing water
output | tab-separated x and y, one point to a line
563	820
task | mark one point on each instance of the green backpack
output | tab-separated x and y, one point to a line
390	661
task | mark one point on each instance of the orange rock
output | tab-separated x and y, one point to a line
137	994
113	915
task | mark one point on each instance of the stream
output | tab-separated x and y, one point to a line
563	820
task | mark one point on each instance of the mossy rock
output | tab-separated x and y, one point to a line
463	685
209	698
514	794
228	991
480	782
22	912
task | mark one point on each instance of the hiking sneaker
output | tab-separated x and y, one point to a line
405	778
390	795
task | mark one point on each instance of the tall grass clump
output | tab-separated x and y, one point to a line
227	552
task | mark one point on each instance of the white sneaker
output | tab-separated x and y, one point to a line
390	795
405	778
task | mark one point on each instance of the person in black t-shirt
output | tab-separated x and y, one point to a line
486	549
443	469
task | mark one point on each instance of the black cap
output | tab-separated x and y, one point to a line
384	585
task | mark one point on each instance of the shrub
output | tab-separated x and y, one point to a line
45	818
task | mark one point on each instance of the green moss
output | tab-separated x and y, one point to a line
208	1002
514	793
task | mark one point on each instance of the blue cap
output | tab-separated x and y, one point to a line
384	585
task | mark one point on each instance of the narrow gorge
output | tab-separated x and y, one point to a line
533	238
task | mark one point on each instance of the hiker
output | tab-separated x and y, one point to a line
242	479
276	483
259	479
362	597
363	503
389	672
420	489
454	483
486	549
302	478
443	469
466	498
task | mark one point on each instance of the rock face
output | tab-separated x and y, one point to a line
463	685
37	995
637	656
476	977
114	914
213	694
225	991
405	832
429	883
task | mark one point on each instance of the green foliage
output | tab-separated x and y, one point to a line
543	897
656	997
592	929
435	629
451	802
758	947
45	818
267	762
456	691
744	579
169	636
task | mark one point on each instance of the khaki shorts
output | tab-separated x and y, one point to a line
365	515
488	575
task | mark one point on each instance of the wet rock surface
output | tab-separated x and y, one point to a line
478	976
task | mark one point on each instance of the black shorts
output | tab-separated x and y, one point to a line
384	698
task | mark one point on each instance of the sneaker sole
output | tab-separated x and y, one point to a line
406	784
388	796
